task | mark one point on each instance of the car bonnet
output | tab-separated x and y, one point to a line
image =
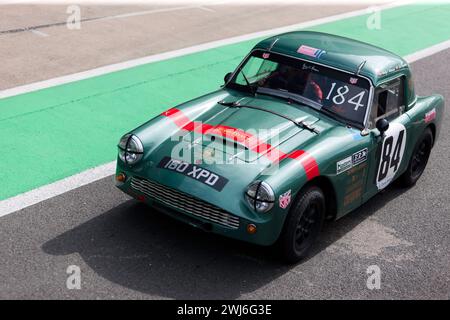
247	133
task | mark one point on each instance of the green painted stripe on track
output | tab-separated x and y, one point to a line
60	131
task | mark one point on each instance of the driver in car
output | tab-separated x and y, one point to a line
297	81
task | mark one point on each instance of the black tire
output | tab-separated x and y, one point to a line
419	159
302	225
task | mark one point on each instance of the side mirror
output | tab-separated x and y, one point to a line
382	125
227	77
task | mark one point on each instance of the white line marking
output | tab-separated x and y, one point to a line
427	51
39	33
205	9
40	194
141	13
124	15
54	189
180	52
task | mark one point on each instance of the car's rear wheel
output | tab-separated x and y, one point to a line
303	224
419	159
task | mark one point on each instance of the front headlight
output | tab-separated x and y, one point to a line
130	149
260	196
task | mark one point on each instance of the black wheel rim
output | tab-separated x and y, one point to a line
419	159
307	226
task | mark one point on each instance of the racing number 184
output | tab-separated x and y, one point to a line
339	96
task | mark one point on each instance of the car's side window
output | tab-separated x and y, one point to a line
388	101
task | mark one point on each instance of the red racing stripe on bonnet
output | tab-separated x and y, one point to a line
273	154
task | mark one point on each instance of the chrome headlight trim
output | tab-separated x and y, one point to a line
131	149
260	196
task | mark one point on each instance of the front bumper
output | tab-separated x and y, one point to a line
197	212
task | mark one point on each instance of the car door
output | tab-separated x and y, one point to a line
387	150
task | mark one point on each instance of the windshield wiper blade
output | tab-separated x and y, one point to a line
305	101
298	123
339	118
289	97
252	89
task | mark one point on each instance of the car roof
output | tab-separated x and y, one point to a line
338	52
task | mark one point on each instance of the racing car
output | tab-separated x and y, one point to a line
308	127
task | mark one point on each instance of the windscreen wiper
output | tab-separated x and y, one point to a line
252	89
299	123
289	97
340	118
315	105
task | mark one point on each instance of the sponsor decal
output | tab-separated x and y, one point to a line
353	80
352	161
352	196
394	69
204	176
430	116
359	157
354	184
310	51
285	199
344	165
266	55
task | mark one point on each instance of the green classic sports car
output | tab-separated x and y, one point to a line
307	128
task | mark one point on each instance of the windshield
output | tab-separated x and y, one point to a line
339	94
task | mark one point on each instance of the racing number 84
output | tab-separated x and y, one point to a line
386	160
391	155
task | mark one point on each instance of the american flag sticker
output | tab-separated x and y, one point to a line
310	51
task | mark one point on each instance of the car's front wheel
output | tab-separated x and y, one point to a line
303	224
419	159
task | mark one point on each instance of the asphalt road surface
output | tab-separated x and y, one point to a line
127	250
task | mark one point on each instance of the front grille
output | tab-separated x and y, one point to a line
184	202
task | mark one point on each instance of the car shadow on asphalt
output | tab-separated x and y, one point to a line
141	249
